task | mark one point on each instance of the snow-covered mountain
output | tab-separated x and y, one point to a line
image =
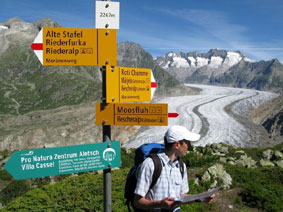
220	67
214	59
215	62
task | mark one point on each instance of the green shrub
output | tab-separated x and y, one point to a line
262	187
193	159
128	158
80	194
5	153
13	190
267	198
4	175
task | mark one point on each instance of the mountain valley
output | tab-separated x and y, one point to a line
54	106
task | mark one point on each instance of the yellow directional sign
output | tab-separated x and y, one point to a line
132	114
124	84
107	47
59	46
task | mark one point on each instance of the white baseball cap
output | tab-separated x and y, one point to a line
178	133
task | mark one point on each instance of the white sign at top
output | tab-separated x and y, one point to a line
107	15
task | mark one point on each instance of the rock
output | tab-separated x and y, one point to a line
231	159
128	150
278	155
264	163
206	177
240	152
267	154
100	172
246	161
214	184
196	181
218	172
279	163
231	163
219	149
223	159
218	154
224	150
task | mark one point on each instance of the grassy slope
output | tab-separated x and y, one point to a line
26	86
260	188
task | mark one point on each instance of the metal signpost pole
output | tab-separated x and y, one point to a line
100	49
106	130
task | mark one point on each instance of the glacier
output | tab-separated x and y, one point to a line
206	114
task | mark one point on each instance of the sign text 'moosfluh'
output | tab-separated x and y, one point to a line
138	110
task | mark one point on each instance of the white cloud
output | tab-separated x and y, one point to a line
213	29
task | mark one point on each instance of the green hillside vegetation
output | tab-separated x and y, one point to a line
260	188
27	86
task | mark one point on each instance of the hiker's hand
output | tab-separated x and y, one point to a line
208	199
167	203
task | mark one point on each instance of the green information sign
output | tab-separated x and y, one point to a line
64	160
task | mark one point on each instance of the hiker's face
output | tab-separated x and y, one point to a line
184	147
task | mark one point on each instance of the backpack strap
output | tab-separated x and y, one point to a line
156	174
181	164
157	169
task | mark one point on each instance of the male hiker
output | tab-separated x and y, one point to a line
172	183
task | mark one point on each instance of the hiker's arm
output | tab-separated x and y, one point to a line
143	203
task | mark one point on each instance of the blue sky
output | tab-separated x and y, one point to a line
254	27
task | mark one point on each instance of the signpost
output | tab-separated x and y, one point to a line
132	114
59	46
128	84
45	162
120	85
107	15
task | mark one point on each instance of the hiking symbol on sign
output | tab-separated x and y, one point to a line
109	154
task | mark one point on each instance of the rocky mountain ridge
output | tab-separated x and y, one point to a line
270	115
226	68
15	31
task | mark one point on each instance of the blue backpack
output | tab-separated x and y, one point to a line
146	150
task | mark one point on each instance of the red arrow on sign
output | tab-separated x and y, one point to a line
153	85
37	46
173	115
